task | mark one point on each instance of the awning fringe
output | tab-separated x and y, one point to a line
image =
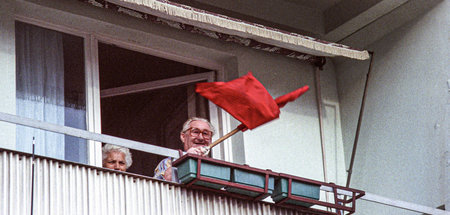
229	29
224	24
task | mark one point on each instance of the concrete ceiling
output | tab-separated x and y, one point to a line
356	23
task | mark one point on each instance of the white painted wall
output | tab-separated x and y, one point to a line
8	73
334	146
404	134
291	144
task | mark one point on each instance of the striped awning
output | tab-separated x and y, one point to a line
231	29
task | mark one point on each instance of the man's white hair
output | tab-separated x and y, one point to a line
107	148
186	124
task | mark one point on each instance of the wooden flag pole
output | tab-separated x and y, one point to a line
231	133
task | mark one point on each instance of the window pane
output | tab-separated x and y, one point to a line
50	86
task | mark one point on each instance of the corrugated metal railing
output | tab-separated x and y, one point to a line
69	188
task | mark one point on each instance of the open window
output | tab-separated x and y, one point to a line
147	98
139	96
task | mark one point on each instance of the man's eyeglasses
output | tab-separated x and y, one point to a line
195	132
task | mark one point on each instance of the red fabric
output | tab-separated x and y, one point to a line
244	98
283	100
247	100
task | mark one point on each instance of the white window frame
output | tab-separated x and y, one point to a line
220	119
92	115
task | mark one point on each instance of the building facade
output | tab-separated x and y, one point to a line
129	77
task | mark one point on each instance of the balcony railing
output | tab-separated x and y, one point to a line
62	187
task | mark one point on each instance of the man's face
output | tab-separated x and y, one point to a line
196	135
115	160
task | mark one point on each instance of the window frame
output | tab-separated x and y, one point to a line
93	151
219	118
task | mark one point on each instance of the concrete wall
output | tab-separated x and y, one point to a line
8	72
404	134
290	144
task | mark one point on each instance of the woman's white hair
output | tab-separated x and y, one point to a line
107	148
188	122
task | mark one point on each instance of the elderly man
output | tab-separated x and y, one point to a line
196	136
116	157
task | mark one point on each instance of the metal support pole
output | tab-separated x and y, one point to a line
358	127
32	179
319	107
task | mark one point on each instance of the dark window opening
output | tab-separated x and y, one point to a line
154	116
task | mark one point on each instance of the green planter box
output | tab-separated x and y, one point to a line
187	171
250	179
301	189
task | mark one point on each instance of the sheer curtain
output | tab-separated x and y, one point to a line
40	87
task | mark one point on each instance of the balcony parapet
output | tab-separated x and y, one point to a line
62	187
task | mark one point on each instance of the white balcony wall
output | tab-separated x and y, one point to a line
68	188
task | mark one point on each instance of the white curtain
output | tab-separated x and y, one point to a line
40	87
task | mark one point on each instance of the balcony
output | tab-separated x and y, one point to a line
62	187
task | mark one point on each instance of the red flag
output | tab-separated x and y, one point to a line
283	100
244	98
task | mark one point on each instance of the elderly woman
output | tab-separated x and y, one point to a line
116	157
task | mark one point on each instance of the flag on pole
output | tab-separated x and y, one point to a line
244	98
283	100
247	100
